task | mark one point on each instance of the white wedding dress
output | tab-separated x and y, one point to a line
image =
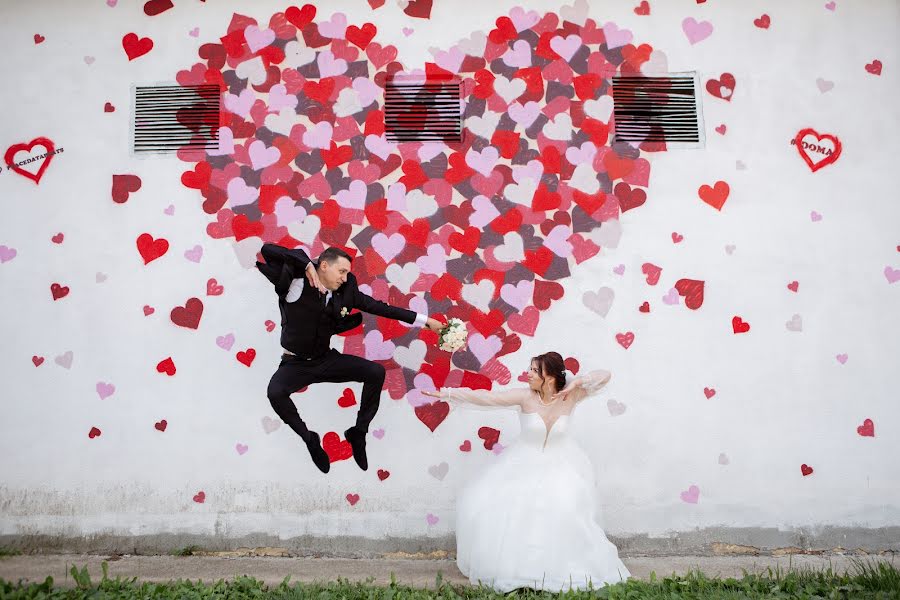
530	518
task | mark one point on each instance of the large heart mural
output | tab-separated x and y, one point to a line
486	229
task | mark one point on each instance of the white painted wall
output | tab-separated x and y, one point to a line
782	399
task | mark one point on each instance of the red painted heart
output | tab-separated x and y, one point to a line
123	185
47	156
166	366
432	414
155	7
136	47
213	288
489	436
189	314
150	249
347	399
59	291
716	195
739	326
723	87
867	429
625	339
692	292
652	272
245	357
336	448
805	145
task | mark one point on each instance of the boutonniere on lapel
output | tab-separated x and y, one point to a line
344	311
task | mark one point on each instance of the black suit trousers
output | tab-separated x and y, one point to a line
295	373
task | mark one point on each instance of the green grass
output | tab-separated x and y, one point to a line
186	551
5	552
876	580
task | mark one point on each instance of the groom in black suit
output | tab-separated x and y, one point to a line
315	299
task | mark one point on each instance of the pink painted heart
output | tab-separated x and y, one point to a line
696	31
891	274
262	157
105	390
454	211
194	254
257	38
691	495
7	254
225	342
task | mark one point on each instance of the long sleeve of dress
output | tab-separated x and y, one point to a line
590	384
485	399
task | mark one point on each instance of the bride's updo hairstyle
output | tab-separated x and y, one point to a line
551	364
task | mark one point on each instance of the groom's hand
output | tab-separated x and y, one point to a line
434	324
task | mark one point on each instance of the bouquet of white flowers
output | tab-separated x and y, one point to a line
452	337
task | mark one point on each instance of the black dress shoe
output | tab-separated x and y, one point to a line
357	441
319	456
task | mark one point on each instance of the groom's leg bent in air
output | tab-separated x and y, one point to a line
294	374
348	367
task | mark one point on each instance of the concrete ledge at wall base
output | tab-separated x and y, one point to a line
714	541
422	573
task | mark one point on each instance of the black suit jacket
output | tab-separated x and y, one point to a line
283	265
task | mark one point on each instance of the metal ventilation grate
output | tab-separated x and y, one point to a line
423	111
657	109
170	117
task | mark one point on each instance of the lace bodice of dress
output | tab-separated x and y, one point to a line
541	424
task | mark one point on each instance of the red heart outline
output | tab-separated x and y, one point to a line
803	154
12	150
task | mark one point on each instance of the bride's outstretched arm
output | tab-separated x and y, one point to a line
584	385
484	398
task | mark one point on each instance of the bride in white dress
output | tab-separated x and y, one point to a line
529	520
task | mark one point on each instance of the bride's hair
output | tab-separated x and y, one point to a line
553	365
